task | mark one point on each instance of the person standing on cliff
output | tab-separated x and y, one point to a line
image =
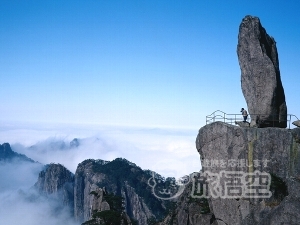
245	114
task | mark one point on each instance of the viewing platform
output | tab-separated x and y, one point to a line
221	116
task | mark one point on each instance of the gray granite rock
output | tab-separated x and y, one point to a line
85	183
96	198
58	182
275	151
104	206
88	180
188	211
134	205
260	75
296	123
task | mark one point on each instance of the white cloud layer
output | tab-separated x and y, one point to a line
20	203
169	152
166	151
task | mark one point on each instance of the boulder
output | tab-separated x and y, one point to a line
260	75
105	206
296	123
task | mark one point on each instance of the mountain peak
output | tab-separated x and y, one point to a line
7	154
74	143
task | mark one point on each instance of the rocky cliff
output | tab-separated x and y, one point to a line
189	210
118	177
85	183
107	209
260	75
100	190
270	157
58	182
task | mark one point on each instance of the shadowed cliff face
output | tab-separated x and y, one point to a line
272	151
53	178
188	210
57	182
260	75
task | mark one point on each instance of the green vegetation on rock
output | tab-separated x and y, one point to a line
121	171
114	216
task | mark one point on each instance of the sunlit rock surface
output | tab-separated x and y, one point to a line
275	151
260	75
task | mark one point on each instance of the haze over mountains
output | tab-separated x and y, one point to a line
19	201
170	152
56	189
157	149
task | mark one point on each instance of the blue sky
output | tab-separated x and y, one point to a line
134	63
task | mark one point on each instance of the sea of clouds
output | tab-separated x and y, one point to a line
19	201
167	151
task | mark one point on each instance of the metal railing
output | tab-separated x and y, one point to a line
219	115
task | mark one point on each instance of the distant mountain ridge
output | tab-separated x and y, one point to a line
8	155
56	144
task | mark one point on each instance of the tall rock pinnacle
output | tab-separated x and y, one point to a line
260	75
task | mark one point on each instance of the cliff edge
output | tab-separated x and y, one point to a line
253	174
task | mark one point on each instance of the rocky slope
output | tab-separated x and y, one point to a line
260	75
107	209
273	151
189	210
